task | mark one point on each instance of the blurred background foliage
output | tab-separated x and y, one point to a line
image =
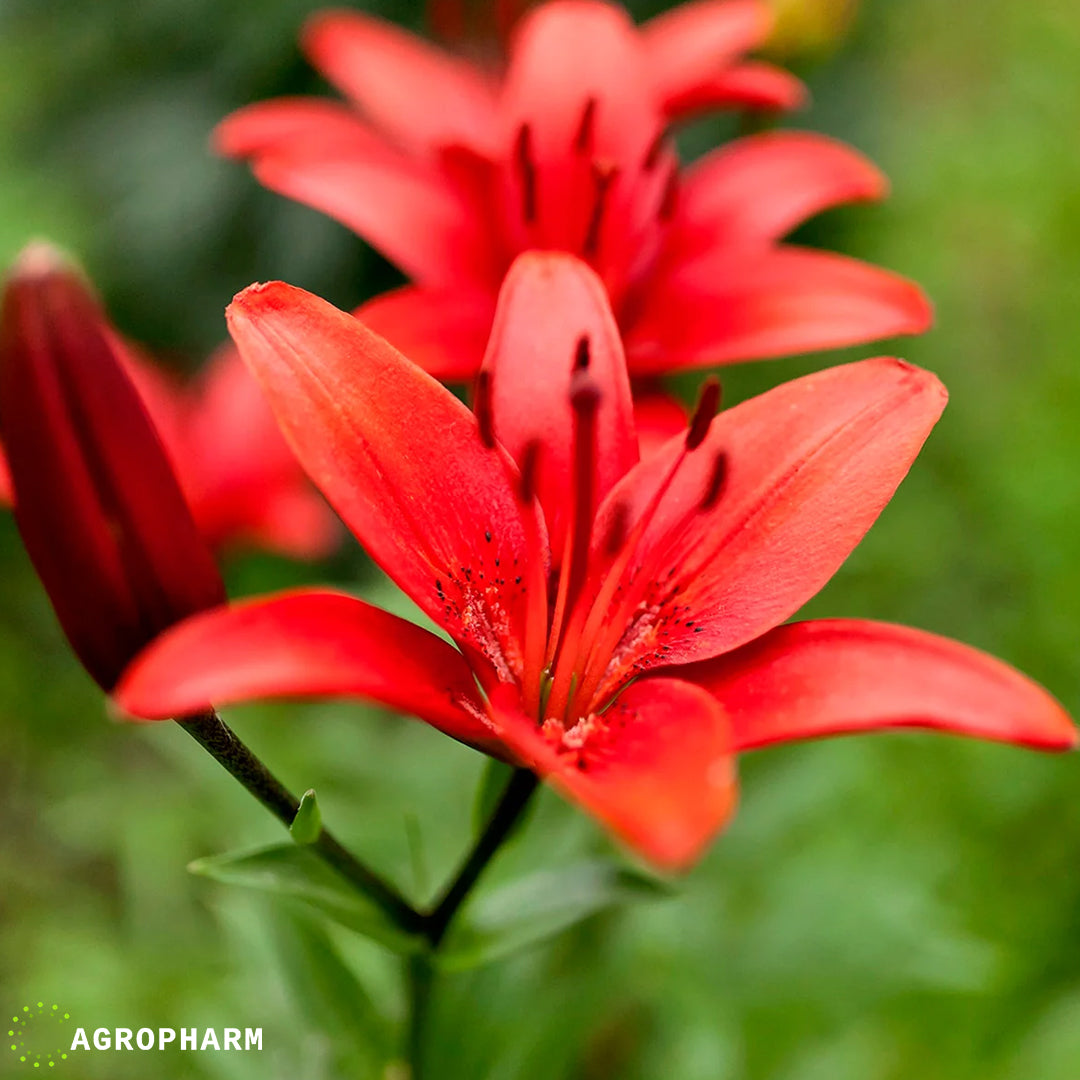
881	908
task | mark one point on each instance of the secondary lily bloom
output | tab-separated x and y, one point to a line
96	501
451	172
241	481
243	484
616	621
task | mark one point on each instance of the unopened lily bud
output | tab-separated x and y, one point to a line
97	503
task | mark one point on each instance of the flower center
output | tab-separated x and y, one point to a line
587	182
584	630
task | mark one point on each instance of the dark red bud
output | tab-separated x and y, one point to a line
99	508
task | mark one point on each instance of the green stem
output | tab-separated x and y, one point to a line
421	976
511	805
421	970
218	739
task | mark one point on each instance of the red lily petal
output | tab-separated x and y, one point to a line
96	501
277	125
304	644
694	42
445	331
839	676
320	153
761	187
577	84
752	85
548	303
294	522
420	95
810	465
405	209
658	416
401	460
564	53
241	478
656	768
755	304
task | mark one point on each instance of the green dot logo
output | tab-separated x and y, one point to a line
36	1036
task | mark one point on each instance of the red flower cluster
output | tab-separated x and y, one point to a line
451	170
616	604
617	622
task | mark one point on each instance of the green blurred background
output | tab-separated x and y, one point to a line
882	908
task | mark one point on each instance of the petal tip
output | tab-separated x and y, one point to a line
40	259
321	24
920	310
259	294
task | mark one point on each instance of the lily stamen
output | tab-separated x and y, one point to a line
585	401
717	483
704	411
482	408
603	178
534	686
526	167
652	155
666	210
583	140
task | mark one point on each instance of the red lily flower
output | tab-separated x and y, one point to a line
96	501
241	481
451	172
616	622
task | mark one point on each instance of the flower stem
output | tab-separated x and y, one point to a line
421	966
218	739
421	975
511	805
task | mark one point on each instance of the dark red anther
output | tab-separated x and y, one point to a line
583	140
706	408
652	155
530	460
618	529
582	355
666	210
485	419
717	483
584	393
603	177
526	173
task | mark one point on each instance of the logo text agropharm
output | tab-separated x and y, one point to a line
167	1039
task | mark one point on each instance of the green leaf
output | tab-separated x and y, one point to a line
539	906
296	872
307	825
331	999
